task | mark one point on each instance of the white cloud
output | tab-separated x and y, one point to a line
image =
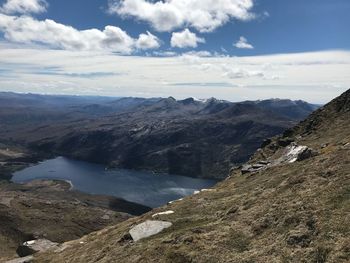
185	39
243	43
24	6
27	30
204	15
147	41
316	77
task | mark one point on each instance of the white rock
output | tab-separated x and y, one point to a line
21	260
164	213
148	229
293	153
196	192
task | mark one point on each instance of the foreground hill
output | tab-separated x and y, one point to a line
290	203
185	137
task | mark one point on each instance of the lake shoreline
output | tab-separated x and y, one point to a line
145	188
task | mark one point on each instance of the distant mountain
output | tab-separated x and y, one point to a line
185	137
289	203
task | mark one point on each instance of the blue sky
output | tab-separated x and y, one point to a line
291	26
197	35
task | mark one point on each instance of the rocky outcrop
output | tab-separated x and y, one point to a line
289	154
252	168
34	246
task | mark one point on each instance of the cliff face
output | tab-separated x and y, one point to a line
291	205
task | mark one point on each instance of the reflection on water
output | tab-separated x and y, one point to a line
135	186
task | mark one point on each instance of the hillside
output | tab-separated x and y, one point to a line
290	203
50	209
185	137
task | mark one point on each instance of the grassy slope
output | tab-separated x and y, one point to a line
297	212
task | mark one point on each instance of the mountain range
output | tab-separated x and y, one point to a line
185	137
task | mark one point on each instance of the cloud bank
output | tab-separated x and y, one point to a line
295	76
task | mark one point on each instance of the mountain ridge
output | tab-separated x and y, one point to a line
160	134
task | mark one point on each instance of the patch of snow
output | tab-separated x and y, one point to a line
164	213
171	202
27	243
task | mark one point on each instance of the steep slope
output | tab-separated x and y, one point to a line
292	210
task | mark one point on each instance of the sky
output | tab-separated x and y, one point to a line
228	49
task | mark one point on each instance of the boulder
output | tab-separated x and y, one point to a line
31	247
148	229
296	153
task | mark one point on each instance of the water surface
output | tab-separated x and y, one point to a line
140	187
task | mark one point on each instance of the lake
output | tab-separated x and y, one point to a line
145	188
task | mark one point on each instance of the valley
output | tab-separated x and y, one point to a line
294	207
174	131
162	138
